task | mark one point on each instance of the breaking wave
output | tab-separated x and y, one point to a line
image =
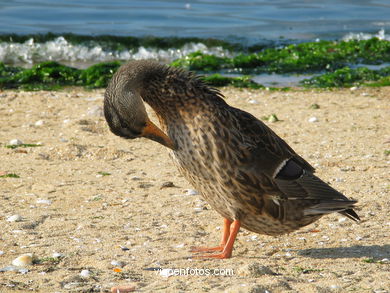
60	50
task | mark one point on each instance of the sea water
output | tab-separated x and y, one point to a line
245	22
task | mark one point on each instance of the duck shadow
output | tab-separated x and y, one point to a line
356	251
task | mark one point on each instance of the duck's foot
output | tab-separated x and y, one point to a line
207	249
225	236
229	236
218	256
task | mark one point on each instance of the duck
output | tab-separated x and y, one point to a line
240	167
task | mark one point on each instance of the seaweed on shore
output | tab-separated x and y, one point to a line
295	58
98	75
52	75
46	75
346	77
219	80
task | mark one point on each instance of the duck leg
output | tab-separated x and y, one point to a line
225	237
228	237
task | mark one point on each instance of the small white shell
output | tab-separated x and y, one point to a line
85	274
119	264
57	255
341	220
43	201
15	142
39	123
14	218
191	192
313	119
23	260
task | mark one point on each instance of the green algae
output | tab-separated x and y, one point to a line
10	175
98	75
219	80
332	59
296	58
198	61
46	75
346	77
52	75
23	145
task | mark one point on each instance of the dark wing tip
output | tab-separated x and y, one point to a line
350	213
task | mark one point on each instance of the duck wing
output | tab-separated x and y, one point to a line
290	190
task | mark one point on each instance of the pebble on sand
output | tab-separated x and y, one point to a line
23	260
14	218
15	142
119	264
191	192
57	255
85	273
44	201
167	184
123	288
253	102
313	119
39	123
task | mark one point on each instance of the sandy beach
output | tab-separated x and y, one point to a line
112	211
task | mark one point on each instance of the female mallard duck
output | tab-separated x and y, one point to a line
247	173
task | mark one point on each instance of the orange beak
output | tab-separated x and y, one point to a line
152	132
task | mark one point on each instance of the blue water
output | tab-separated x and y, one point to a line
247	22
239	20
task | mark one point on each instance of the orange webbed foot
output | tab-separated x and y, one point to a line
207	249
230	231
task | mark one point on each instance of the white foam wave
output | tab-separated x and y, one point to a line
381	35
61	50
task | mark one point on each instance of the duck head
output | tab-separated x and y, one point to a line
124	107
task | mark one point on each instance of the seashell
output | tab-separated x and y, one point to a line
119	264
57	255
123	288
254	102
15	142
14	218
85	273
44	201
23	260
191	192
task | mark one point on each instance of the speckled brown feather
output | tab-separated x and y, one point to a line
239	165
